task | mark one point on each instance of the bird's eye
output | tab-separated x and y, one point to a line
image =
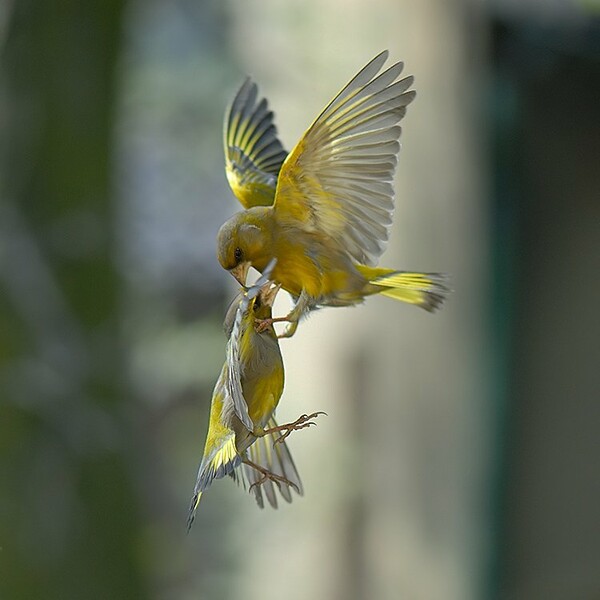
237	254
257	302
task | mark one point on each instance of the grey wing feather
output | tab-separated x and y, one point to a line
253	152
343	168
234	393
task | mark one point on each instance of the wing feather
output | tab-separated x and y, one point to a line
234	393
253	152
338	179
234	400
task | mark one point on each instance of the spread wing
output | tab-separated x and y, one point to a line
338	180
253	153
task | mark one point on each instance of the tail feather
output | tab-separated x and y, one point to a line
260	453
277	459
224	460
427	290
287	469
252	476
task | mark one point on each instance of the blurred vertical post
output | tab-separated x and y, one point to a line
69	515
395	477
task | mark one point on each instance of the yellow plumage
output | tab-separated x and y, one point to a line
253	154
331	199
244	399
426	290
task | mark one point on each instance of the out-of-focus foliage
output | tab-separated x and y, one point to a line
70	516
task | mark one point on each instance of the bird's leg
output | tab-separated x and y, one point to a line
301	306
290	330
301	422
264	324
268	475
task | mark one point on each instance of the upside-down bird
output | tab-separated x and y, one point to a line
242	429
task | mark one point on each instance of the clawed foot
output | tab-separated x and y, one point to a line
269	476
300	423
261	325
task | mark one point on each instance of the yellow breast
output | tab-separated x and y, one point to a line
301	267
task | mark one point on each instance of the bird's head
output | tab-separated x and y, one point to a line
263	303
242	242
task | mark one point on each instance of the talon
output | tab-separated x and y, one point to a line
269	475
302	422
262	324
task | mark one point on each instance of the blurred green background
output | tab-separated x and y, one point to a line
460	457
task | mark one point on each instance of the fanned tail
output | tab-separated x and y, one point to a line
427	290
277	459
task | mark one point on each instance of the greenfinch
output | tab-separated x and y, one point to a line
323	211
242	429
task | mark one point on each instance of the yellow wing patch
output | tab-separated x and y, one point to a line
253	153
338	179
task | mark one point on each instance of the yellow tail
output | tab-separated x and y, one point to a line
427	290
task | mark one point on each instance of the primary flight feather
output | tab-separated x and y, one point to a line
253	153
333	202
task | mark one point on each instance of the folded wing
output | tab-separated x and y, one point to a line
234	400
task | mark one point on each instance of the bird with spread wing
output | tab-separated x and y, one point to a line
324	210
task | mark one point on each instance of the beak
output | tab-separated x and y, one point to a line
241	273
269	292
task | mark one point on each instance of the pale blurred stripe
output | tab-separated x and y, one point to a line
395	477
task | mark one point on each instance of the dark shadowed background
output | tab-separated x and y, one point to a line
459	460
